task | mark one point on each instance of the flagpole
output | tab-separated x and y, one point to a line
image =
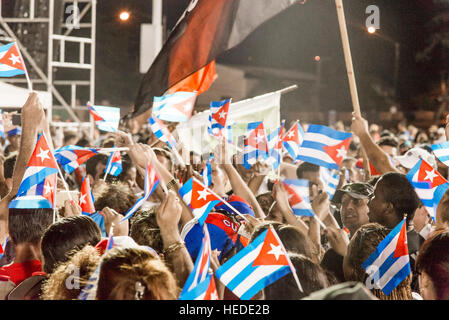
66	187
221	199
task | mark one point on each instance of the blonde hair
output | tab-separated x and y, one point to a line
84	262
131	273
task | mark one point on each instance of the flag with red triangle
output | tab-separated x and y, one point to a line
255	144
218	116
175	107
37	189
293	139
86	200
11	62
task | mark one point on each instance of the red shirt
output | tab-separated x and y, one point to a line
17	272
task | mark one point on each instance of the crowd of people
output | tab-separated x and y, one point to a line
52	254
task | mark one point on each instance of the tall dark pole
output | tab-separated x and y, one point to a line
397	48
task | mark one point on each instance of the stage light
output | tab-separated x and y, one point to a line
317	58
124	15
371	29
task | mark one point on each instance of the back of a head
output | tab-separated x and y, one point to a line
311	277
397	189
433	259
118	196
362	245
145	230
65	237
135	274
28	225
91	163
306	167
70	277
390	141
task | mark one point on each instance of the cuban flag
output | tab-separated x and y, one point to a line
324	146
151	183
2	127
72	157
200	284
298	196
175	107
389	264
206	173
330	179
114	165
11	62
106	118
199	198
38	186
259	264
429	185
441	151
218	116
86	200
256	145
275	147
293	140
161	132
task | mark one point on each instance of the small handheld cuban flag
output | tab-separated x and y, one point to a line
324	146
330	179
114	165
86	200
206	173
441	151
151	183
298	196
175	107
218	116
161	132
275	147
72	157
37	189
200	284
293	140
255	144
106	118
261	263
199	198
11	62
389	264
429	185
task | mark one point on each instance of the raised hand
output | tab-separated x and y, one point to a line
113	217
338	239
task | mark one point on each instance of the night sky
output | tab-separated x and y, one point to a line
291	40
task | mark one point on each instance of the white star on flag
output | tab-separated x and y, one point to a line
259	139
222	114
213	296
276	251
187	107
14	59
430	175
341	153
83	199
43	155
203	194
48	188
291	134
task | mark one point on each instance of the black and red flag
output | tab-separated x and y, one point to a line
207	28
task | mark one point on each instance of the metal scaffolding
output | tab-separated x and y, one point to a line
70	36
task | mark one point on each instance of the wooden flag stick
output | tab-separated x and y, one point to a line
350	72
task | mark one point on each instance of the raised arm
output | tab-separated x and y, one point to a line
375	154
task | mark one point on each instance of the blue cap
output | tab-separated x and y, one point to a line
16	131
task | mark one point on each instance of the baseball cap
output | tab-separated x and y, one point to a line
412	156
357	190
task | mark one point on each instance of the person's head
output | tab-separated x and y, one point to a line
95	167
353	200
145	230
389	144
311	172
13	137
311	277
265	201
432	266
412	156
118	196
362	245
129	171
393	197
27	226
70	138
219	179
442	212
8	168
135	274
76	271
65	237
355	174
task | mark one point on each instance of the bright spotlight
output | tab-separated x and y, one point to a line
124	15
371	29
